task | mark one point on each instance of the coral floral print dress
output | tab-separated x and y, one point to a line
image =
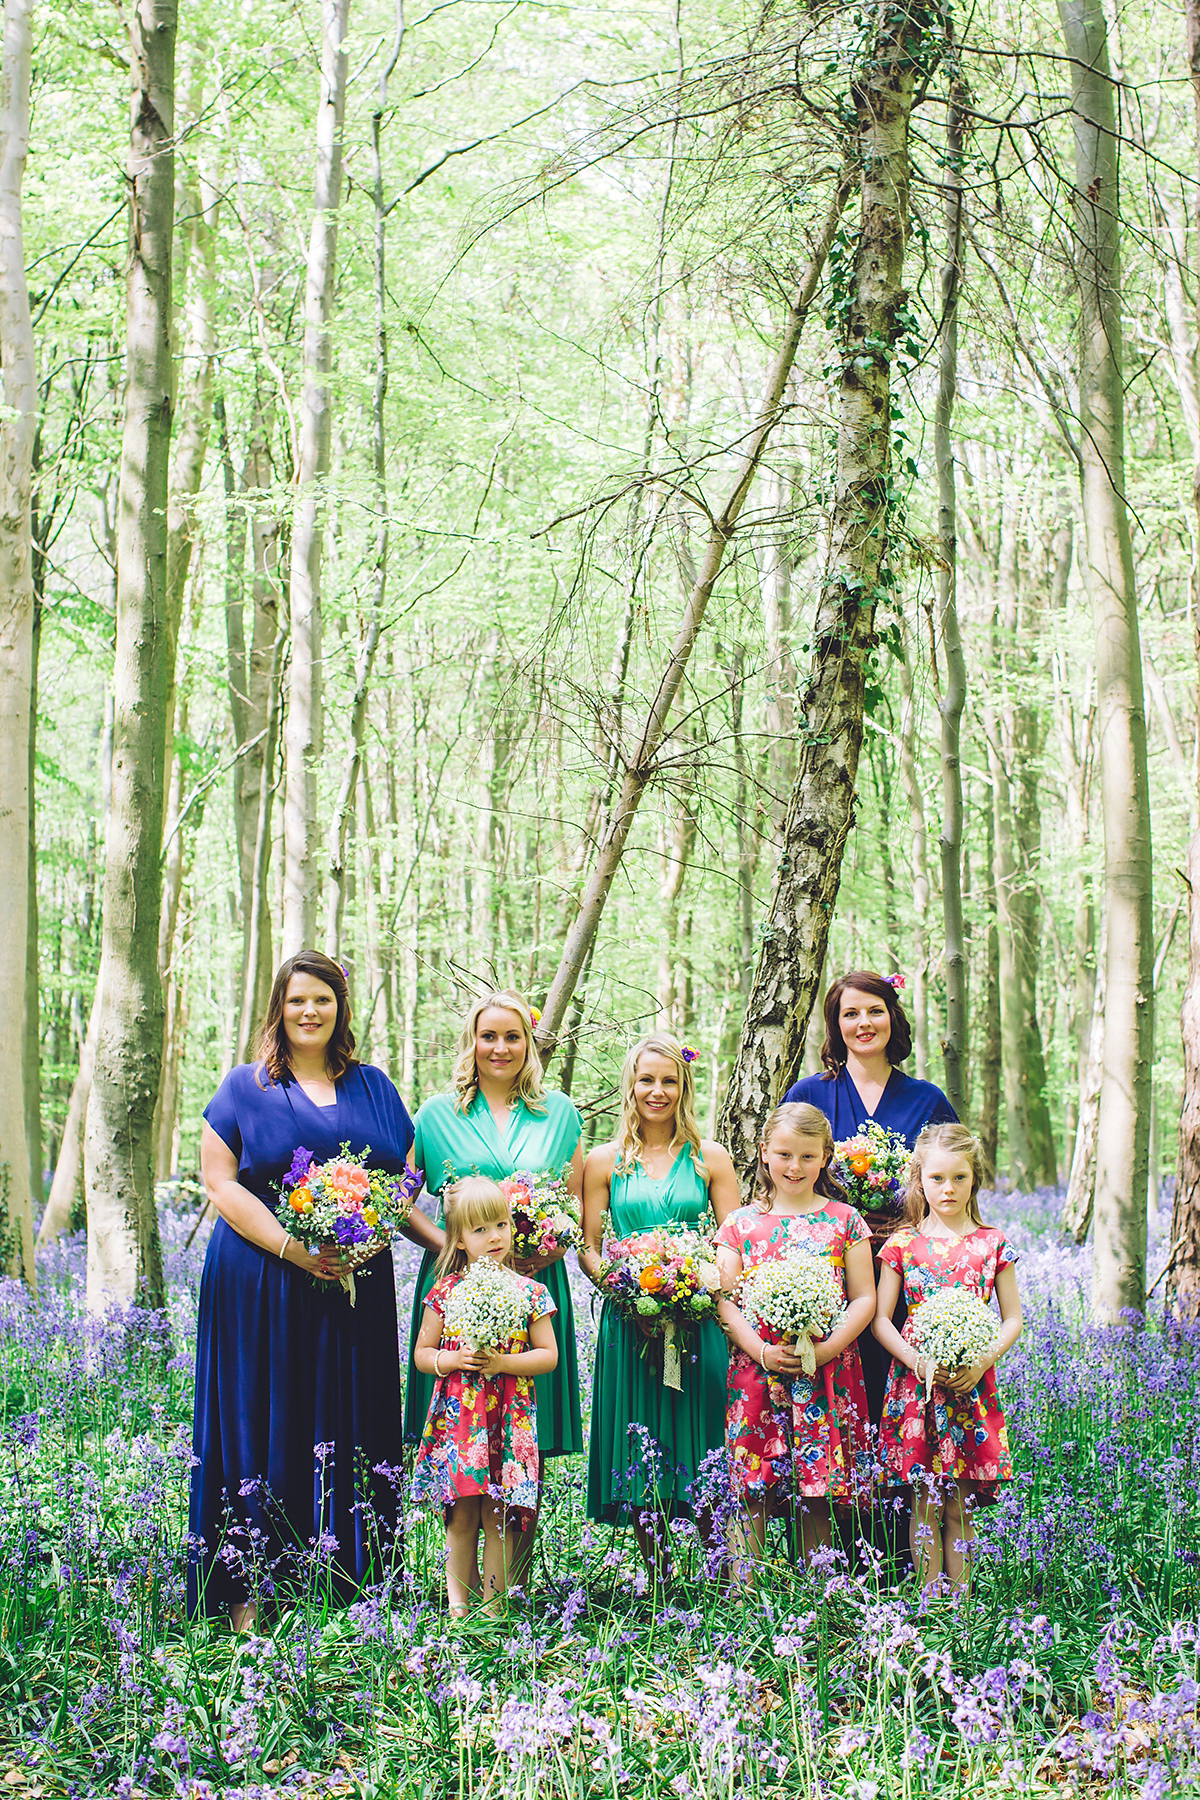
797	1434
481	1433
958	1435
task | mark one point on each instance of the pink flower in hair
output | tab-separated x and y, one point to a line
895	981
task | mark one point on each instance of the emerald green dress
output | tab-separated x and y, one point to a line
629	1400
450	1145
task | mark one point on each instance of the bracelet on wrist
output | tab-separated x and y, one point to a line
283	1248
437	1363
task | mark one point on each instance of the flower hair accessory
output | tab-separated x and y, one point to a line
535	1015
689	1055
894	981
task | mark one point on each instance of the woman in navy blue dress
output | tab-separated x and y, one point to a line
867	1034
297	1392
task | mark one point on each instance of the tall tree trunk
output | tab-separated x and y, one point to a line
32	1061
641	763
1081	1183
918	1006
954	690
821	810
1119	1241
990	1049
124	1255
1183	1279
18	429
303	730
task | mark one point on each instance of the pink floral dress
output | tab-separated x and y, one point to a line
481	1433
958	1435
797	1434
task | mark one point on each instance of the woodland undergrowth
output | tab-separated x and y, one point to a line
1071	1667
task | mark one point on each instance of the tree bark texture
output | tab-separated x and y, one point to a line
18	429
639	765
821	809
918	1006
303	730
124	1255
954	688
1119	1240
1183	1277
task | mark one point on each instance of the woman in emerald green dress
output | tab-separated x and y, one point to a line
496	1120
647	1439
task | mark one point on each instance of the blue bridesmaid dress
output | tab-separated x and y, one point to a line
297	1411
906	1105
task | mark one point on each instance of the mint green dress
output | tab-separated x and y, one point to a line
647	1440
450	1145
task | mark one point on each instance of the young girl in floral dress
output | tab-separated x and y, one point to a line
479	1452
793	1437
952	1450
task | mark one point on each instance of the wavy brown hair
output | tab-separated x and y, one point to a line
833	1050
805	1121
273	1051
955	1140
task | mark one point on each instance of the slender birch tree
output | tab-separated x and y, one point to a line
1123	1126
124	1255
303	727
18	428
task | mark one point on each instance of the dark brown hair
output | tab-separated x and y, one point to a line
954	1140
833	1050
805	1121
273	1045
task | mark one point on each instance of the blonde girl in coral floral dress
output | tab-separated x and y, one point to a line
951	1449
479	1451
796	1439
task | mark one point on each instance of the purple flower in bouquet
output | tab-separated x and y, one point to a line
352	1228
301	1163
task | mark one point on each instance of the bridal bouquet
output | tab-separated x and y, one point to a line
342	1202
952	1330
666	1281
487	1307
873	1166
545	1214
797	1295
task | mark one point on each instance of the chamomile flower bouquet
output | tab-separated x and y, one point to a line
796	1295
952	1330
343	1203
667	1282
487	1307
545	1213
873	1167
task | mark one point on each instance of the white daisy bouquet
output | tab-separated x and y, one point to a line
487	1307
797	1295
545	1213
952	1330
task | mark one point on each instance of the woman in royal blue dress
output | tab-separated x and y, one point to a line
867	1036
297	1406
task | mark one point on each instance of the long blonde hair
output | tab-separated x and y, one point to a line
805	1121
465	1206
465	1077
955	1140
629	1131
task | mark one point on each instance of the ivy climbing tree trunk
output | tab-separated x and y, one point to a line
302	731
821	809
18	428
1122	1137
124	1256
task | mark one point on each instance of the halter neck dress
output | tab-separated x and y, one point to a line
450	1145
647	1440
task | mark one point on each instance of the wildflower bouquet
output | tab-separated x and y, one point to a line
873	1166
487	1307
545	1214
666	1281
952	1330
797	1295
342	1202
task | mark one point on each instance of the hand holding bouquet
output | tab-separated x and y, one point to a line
873	1166
545	1215
344	1204
951	1330
666	1281
799	1296
487	1308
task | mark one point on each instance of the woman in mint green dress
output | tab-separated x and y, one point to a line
498	1119
648	1440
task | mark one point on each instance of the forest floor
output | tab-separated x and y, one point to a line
1071	1668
